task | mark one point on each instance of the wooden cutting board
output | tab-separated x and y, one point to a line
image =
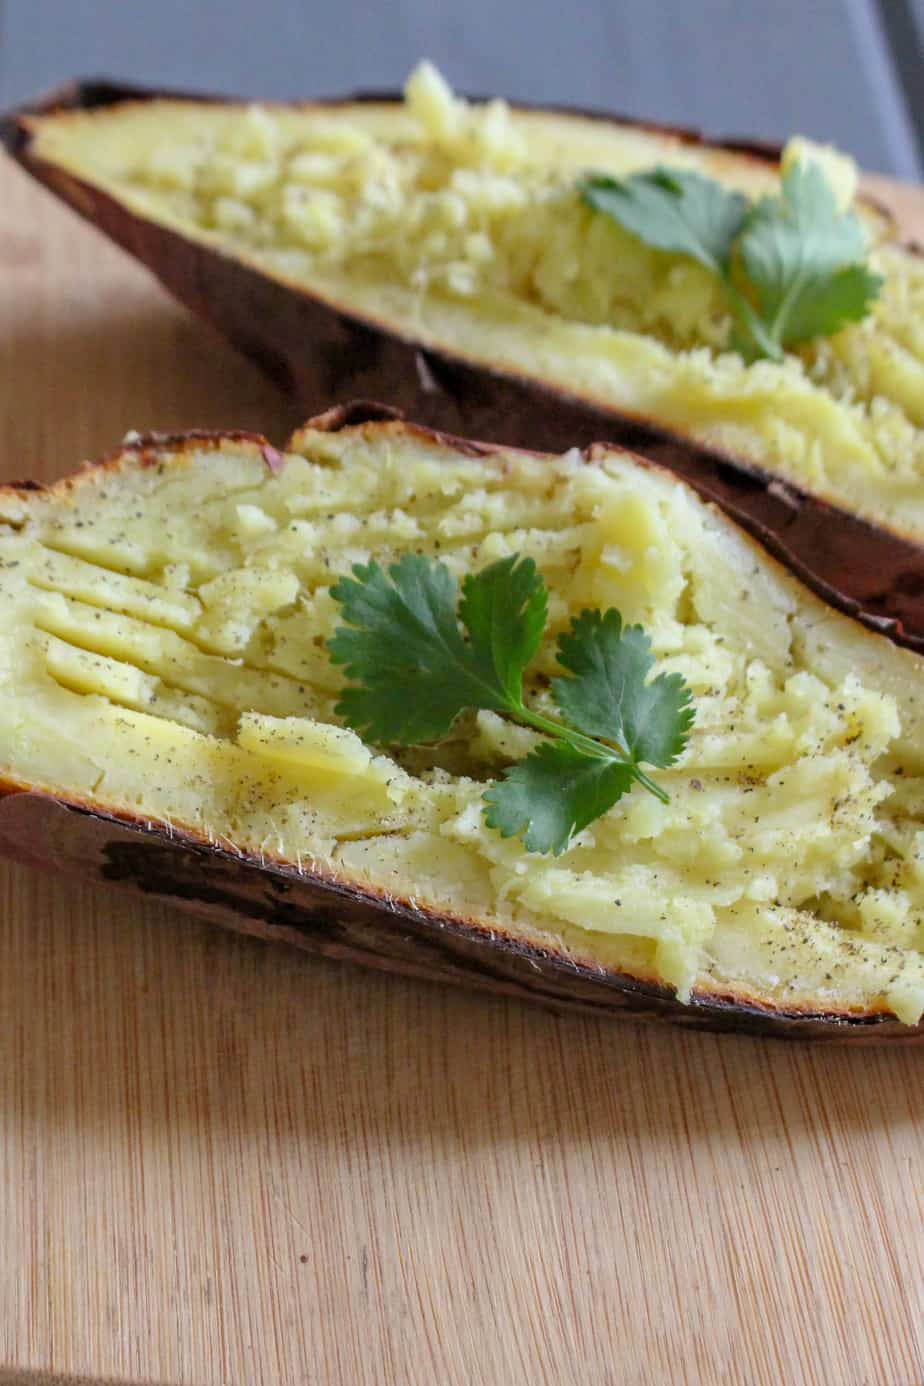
225	1162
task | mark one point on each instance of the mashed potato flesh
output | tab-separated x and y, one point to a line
460	225
162	652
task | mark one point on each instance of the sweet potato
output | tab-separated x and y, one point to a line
412	252
167	724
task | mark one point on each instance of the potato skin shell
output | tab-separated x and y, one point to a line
320	351
276	901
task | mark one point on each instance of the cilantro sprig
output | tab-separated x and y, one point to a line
417	655
790	266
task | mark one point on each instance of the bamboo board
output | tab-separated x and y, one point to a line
224	1162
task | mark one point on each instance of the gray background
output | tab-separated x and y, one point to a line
849	71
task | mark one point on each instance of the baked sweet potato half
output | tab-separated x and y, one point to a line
438	255
167	723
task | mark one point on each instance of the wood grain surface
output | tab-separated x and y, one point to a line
223	1162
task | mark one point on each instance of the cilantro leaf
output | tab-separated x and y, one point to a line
799	254
672	209
802	254
823	308
554	793
608	696
403	645
415	663
504	609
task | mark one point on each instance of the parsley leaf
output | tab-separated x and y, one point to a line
802	255
672	209
416	664
608	696
554	793
799	254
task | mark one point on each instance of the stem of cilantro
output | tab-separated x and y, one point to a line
750	322
789	298
651	785
599	750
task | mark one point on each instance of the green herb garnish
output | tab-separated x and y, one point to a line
790	266
416	662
